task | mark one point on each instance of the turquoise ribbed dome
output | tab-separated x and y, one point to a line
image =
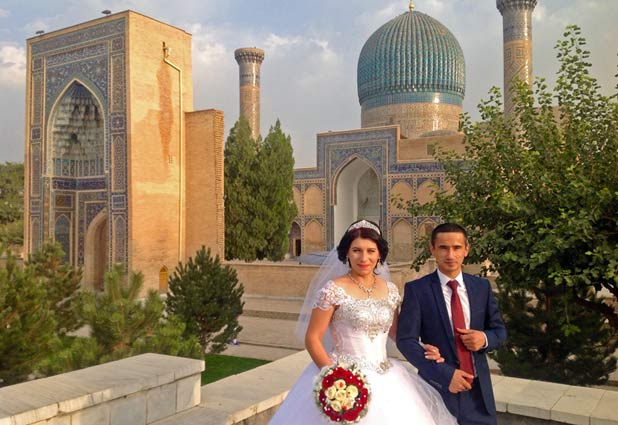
412	58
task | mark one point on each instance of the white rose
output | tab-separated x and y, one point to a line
340	384
336	406
352	391
341	396
330	392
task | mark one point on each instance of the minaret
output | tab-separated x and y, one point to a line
249	60
517	33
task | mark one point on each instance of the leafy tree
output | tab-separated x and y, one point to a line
539	192
122	325
243	224
11	202
207	296
62	282
27	323
276	199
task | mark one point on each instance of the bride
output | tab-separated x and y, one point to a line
349	313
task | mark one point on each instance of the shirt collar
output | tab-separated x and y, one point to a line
444	279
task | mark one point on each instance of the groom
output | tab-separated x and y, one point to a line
458	313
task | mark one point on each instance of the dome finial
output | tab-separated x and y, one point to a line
411	5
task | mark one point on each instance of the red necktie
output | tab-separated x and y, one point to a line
465	356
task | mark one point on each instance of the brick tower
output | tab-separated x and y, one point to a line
249	60
517	33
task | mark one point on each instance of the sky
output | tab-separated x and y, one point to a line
308	76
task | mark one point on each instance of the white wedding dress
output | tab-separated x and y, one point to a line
359	330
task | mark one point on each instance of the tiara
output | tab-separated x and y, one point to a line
364	224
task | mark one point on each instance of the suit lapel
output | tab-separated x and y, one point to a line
439	299
472	301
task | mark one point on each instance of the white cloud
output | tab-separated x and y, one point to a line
4	13
12	65
208	49
275	43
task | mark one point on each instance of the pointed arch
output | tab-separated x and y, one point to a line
76	132
401	192
356	193
96	251
313	201
314	237
295	242
163	280
402	241
425	192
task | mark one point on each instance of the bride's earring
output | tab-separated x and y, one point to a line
378	268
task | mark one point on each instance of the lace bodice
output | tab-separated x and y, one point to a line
359	327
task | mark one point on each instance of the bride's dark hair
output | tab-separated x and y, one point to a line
355	231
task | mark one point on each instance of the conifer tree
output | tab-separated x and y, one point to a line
62	282
122	325
276	199
243	224
207	296
11	202
27	323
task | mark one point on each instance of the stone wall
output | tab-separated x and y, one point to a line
288	279
155	149
139	390
204	187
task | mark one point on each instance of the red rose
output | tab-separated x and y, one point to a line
350	415
328	381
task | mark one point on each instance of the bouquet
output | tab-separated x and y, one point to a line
342	393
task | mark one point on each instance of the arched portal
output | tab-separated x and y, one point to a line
95	252
77	132
357	196
295	240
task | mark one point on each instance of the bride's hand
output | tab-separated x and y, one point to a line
433	353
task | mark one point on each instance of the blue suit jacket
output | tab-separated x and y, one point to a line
423	315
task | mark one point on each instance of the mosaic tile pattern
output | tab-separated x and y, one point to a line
119	152
119	238
410	54
37	96
517	13
64	200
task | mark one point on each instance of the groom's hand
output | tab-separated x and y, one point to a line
460	381
472	339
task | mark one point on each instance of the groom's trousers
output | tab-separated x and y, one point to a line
471	409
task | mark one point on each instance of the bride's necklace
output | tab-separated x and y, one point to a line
363	288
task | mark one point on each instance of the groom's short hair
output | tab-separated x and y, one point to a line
448	228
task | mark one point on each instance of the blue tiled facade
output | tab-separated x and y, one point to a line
378	148
60	205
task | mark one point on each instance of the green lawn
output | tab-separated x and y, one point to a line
219	366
